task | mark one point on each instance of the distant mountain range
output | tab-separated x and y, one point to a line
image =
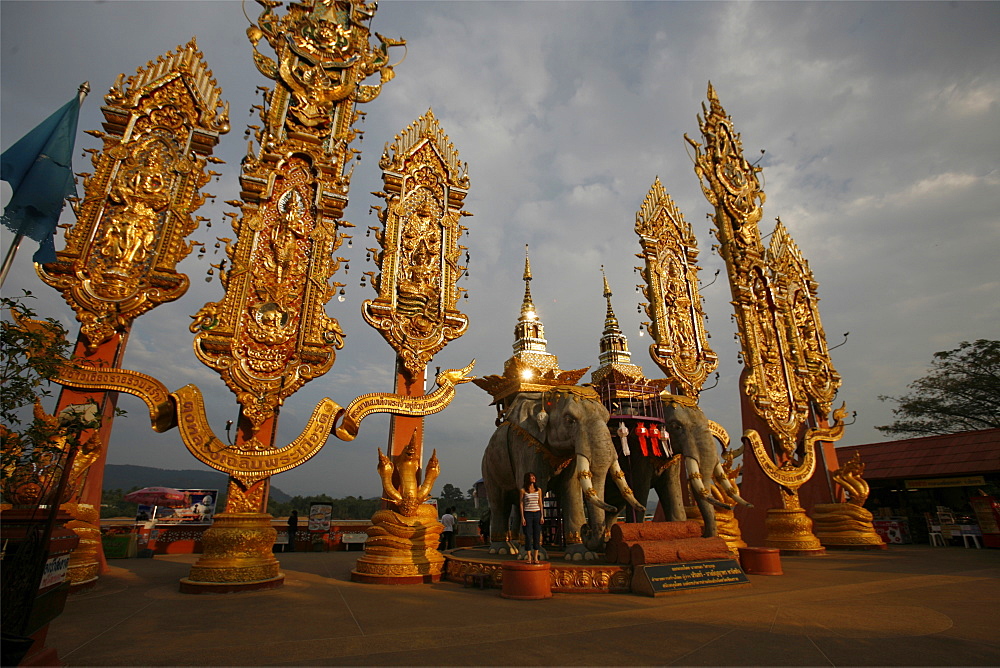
127	476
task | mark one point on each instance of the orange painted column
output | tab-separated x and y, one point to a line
401	427
109	354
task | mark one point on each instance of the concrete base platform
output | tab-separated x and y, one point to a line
567	577
910	605
368	578
196	587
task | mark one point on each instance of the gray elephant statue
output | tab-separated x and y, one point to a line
690	436
562	437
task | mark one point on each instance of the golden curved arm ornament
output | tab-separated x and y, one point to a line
185	409
153	393
381	402
719	432
248	466
788	475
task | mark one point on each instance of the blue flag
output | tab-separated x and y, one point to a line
39	169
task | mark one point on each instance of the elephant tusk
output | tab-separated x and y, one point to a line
698	487
619	477
584	475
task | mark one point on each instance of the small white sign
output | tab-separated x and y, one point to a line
55	571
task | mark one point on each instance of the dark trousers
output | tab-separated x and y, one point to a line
291	540
447	540
532	530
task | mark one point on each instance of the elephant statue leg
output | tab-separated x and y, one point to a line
501	503
667	483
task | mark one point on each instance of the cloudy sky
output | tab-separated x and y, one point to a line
880	121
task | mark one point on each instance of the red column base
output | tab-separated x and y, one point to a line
761	560
526	582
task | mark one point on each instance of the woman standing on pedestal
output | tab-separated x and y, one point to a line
531	517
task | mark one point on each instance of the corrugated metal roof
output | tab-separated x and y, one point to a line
966	453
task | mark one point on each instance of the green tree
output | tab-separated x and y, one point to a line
30	356
961	393
451	496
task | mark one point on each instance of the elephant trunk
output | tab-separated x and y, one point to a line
619	477
697	486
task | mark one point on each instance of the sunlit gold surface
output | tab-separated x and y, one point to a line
847	524
161	125
270	333
789	378
403	539
403	546
782	340
532	368
84	564
670	250
237	549
185	408
419	261
790	529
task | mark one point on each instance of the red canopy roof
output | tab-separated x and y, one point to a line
966	453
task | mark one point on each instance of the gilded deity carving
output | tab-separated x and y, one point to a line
402	541
323	55
782	341
788	380
120	255
425	185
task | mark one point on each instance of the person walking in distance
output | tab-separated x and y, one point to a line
293	528
531	517
448	535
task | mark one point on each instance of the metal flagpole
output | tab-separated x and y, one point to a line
9	258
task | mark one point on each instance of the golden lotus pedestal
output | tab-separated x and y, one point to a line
845	526
236	556
790	530
84	563
402	550
727	526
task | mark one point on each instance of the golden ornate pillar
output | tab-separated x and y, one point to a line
419	259
788	383
670	285
160	128
419	262
270	333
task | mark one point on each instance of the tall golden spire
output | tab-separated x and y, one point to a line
529	332
532	368
527	307
615	356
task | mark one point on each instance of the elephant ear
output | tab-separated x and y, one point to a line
528	412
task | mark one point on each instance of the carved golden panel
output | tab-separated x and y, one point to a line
730	183
425	186
804	329
121	254
673	303
270	334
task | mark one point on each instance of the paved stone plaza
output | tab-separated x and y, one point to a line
912	605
